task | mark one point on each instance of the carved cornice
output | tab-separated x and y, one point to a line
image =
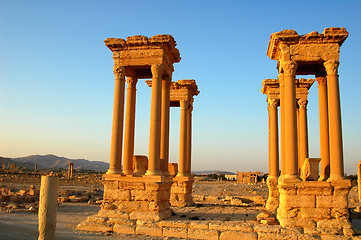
291	37
331	67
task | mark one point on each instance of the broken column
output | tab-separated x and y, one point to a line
70	170
47	207
359	180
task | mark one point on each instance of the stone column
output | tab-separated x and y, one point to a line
334	117
359	180
129	126
273	138
291	154
117	128
183	138
282	123
164	139
189	140
155	121
48	201
303	131
324	139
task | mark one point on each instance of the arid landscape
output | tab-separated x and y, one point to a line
216	202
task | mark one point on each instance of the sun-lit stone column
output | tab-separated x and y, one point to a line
291	154
164	139
183	138
282	123
189	139
129	126
334	117
359	180
303	131
117	127
273	138
323	118
155	121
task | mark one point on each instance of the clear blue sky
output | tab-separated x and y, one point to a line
57	83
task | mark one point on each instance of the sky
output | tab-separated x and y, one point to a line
57	82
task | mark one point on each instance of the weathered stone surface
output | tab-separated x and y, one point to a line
231	226
175	232
231	235
297	201
276	236
123	228
332	201
147	230
203	234
199	225
315	213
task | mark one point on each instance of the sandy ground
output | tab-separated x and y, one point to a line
23	225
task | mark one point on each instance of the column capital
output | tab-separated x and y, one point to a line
273	104
157	70
302	103
331	67
183	104
132	81
289	67
321	81
119	72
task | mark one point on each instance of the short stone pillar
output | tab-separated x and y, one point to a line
3	166
173	169
310	169
140	165
47	207
70	170
181	191
35	168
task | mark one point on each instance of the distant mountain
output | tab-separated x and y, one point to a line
213	172
54	162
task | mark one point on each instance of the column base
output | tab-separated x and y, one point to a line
320	205
153	173
181	191
114	171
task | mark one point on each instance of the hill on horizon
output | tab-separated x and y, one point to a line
54	162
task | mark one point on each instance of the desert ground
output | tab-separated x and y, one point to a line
81	196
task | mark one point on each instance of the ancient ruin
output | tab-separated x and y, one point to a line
311	205
359	179
128	195
182	95
247	177
70	170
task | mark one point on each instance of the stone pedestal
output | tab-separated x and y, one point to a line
273	194
318	205
181	191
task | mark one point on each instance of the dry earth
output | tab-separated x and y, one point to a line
210	199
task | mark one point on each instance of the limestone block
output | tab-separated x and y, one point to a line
130	206
267	229
176	224
199	225
151	215
287	189
316	213
95	227
121	221
211	198
175	232
96	219
340	213
276	236
297	201
140	165
231	226
113	214
131	185
309	237
332	202
123	228
294	222
333	223
173	169
334	237
315	52
144	195
151	231
231	235
310	169
203	234
118	194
